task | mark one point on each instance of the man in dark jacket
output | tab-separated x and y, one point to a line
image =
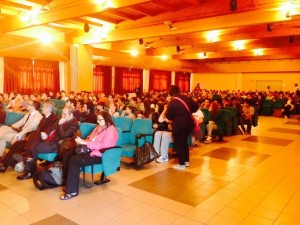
66	128
46	125
179	111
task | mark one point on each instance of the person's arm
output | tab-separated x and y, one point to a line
107	138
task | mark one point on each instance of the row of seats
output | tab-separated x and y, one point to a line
229	123
111	158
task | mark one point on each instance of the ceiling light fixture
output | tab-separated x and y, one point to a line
258	51
291	39
233	5
178	49
170	25
104	4
134	53
270	27
213	36
164	57
202	55
288	8
239	45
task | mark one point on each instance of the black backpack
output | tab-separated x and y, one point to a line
49	177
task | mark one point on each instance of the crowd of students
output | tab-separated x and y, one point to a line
99	109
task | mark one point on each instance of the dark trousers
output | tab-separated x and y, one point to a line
41	147
17	147
181	146
248	122
287	111
75	162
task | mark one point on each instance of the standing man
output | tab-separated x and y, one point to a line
179	112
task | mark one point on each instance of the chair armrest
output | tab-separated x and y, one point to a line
111	160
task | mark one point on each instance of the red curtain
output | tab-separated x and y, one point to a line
159	80
182	79
102	77
28	76
127	80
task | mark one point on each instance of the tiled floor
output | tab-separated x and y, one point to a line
246	180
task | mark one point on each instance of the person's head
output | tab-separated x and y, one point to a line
33	105
174	89
79	104
88	107
63	93
104	119
33	96
48	108
247	103
100	106
129	109
67	113
72	102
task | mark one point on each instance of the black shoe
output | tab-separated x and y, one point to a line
25	176
3	169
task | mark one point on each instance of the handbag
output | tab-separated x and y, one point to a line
145	154
81	149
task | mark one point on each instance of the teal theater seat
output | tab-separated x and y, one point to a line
111	160
141	132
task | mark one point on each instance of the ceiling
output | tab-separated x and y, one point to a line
188	32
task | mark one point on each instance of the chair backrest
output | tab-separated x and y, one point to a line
59	104
86	129
140	126
12	117
119	137
124	123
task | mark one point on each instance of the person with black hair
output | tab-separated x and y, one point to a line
248	112
88	114
180	111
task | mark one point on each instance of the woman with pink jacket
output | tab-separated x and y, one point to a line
105	135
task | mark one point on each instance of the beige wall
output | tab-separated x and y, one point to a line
246	75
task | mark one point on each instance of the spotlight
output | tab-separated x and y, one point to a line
233	5
270	27
170	25
291	39
86	27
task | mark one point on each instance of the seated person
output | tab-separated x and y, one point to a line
113	110
214	116
288	107
128	112
163	137
88	114
19	130
73	102
66	128
46	125
248	112
198	117
105	135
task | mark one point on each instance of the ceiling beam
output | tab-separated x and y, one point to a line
15	5
146	62
207	24
78	9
